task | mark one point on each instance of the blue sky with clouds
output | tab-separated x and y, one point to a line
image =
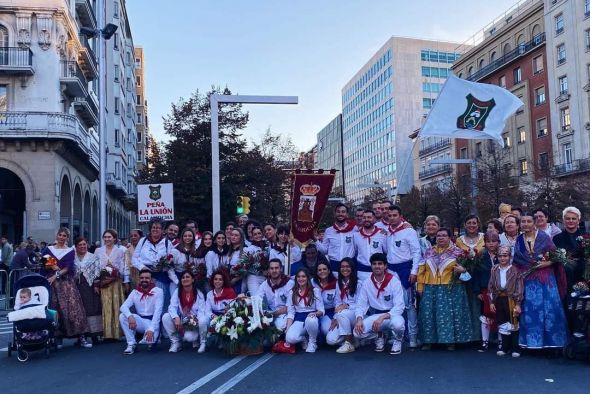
308	48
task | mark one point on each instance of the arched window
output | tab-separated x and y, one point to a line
520	43
481	63
493	57
507	48
536	30
470	71
3	37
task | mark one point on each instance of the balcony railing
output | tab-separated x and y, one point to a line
16	61
434	147
86	13
76	84
48	125
87	110
435	170
508	57
116	184
576	166
88	61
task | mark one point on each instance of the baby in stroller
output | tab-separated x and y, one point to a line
34	324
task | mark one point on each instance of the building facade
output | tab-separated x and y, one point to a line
329	150
383	104
513	55
49	161
568	63
141	109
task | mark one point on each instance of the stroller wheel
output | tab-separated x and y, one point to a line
22	356
569	351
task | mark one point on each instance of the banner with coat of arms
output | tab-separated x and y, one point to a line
309	197
155	201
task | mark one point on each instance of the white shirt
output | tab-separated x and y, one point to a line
300	306
335	245
213	261
503	272
382	225
212	306
295	255
148	306
403	246
391	298
347	299
367	244
275	299
328	296
116	258
198	308
147	254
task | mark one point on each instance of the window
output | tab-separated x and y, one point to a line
3	98
427	103
517	75
506	139
587	8
568	153
139	118
116	9
538	64
478	151
137	62
116	73
139	137
559	24
543	161
463	153
561	54
139	156
138	80
521	132
492	57
502	81
138	98
117	137
542	127
481	64
564	118
3	36
562	85
116	105
524	167
540	95
116	41
587	39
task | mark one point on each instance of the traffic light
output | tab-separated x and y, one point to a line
243	205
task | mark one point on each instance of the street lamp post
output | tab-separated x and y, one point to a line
215	100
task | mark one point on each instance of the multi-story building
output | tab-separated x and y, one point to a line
49	161
512	54
141	109
568	64
383	104
329	150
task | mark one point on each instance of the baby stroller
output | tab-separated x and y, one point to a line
33	323
578	310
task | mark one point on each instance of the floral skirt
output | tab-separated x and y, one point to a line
444	315
66	300
92	306
542	322
112	298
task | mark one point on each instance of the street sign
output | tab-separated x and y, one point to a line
156	200
44	215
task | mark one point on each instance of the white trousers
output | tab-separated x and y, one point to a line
280	322
395	324
411	313
346	321
189	336
142	327
298	330
253	282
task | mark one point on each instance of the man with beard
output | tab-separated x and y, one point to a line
337	243
148	301
275	291
172	233
367	241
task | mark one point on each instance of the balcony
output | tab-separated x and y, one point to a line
512	55
87	109
435	170
86	13
48	125
88	62
575	167
16	61
72	79
434	147
116	185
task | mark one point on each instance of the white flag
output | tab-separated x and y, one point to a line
470	110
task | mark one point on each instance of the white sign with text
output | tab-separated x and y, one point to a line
155	200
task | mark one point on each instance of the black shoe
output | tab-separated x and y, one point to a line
484	347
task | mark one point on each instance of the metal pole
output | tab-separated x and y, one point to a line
215	188
102	132
474	187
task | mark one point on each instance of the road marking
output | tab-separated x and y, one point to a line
239	377
4	349
211	375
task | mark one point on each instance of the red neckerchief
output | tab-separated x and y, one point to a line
149	238
349	227
145	293
344	291
329	286
368	236
282	282
226	294
402	226
186	303
278	248
384	284
305	297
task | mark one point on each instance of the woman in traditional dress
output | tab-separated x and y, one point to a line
65	297
541	216
112	296
542	322
472	242
431	226
88	282
511	231
567	240
134	236
444	310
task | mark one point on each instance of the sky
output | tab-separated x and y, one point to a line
305	48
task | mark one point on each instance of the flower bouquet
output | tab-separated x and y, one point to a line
49	263
243	328
471	260
238	271
190	323
199	272
584	244
255	263
580	289
108	274
164	264
558	256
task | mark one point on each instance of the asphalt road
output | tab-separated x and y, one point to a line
104	369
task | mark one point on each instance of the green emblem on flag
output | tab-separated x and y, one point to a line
474	117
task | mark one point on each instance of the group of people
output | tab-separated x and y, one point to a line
367	279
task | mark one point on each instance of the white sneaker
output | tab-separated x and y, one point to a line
515	354
202	348
500	353
195	344
175	347
396	348
304	343
129	350
85	343
311	347
346	347
379	344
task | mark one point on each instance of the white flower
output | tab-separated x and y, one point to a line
232	333
238	321
266	320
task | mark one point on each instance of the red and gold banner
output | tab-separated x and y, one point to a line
309	197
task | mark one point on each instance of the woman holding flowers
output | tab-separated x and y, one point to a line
237	249
113	274
220	295
185	319
59	269
88	282
444	310
258	252
542	322
184	257
573	240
